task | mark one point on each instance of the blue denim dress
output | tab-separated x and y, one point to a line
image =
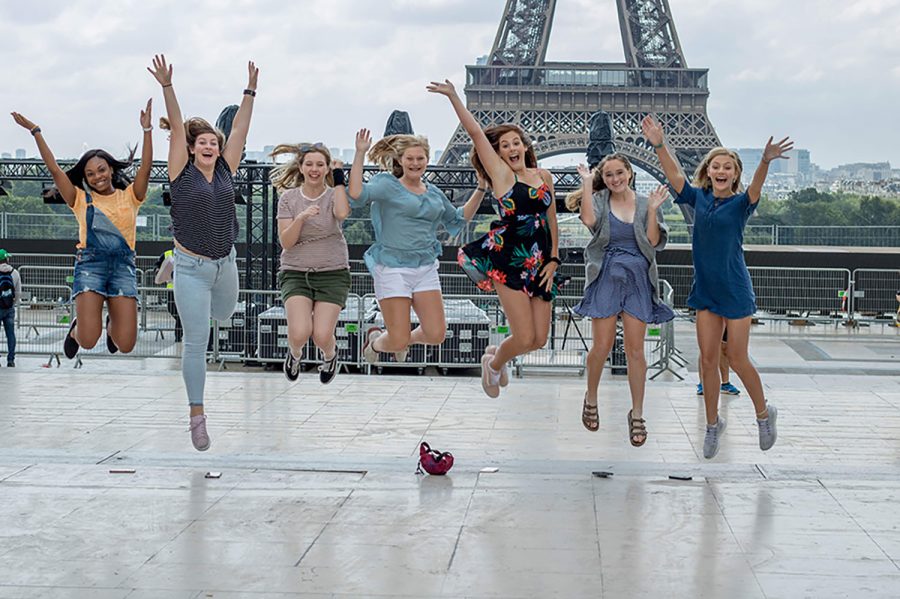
623	284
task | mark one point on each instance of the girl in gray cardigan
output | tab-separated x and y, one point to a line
621	277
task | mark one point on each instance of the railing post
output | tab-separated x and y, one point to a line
775	235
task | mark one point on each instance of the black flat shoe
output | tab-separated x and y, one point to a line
110	346
70	346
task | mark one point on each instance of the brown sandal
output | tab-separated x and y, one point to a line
637	427
590	418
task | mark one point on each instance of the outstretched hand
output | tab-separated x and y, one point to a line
363	140
445	89
653	131
21	120
161	71
146	116
586	173
777	150
658	197
252	75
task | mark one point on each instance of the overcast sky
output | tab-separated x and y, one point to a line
826	72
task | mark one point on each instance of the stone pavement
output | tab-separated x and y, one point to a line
318	496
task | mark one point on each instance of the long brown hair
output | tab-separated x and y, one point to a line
493	135
288	175
194	127
573	199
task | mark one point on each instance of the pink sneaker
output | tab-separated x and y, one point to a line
199	436
489	381
504	372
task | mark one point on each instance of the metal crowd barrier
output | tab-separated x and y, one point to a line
257	333
875	295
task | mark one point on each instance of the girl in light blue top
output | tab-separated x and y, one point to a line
722	292
406	212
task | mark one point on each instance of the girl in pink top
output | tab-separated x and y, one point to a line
315	270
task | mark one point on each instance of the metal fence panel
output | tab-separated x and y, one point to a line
876	293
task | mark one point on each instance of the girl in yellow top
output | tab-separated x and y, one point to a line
105	204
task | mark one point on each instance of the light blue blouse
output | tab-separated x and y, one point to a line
406	223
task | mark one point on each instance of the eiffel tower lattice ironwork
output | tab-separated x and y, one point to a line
553	101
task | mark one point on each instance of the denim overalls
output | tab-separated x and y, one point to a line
106	264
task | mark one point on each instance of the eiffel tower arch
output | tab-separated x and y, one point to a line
553	101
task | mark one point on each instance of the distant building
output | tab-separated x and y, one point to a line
795	172
6	155
20	153
862	171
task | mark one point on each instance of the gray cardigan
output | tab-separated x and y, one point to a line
596	247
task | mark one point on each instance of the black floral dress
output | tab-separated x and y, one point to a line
517	246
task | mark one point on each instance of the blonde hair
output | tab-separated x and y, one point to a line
573	199
701	175
387	151
194	127
288	175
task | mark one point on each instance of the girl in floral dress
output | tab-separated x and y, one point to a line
520	254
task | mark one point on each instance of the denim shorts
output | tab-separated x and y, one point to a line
111	274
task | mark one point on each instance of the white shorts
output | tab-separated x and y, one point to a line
404	282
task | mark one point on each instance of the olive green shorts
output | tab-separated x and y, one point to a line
331	286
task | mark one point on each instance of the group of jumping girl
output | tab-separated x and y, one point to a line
517	258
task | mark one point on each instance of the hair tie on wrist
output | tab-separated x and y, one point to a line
147	129
167	85
481	189
658	146
554	259
35	130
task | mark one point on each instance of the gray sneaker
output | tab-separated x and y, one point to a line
768	432
369	352
199	436
711	442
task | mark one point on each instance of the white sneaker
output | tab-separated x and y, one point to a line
504	372
711	442
369	352
489	381
768	433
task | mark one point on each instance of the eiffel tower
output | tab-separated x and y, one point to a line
553	101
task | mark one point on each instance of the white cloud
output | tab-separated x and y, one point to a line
328	68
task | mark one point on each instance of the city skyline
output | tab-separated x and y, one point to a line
786	75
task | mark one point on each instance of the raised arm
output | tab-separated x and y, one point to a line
498	171
656	199
363	143
234	146
586	211
551	262
770	153
341	206
65	187
178	152
653	132
142	178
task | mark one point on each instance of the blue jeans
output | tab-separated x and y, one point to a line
204	288
8	318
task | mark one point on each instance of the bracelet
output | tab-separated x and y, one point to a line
250	92
658	146
554	259
167	85
481	189
147	129
35	130
764	161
